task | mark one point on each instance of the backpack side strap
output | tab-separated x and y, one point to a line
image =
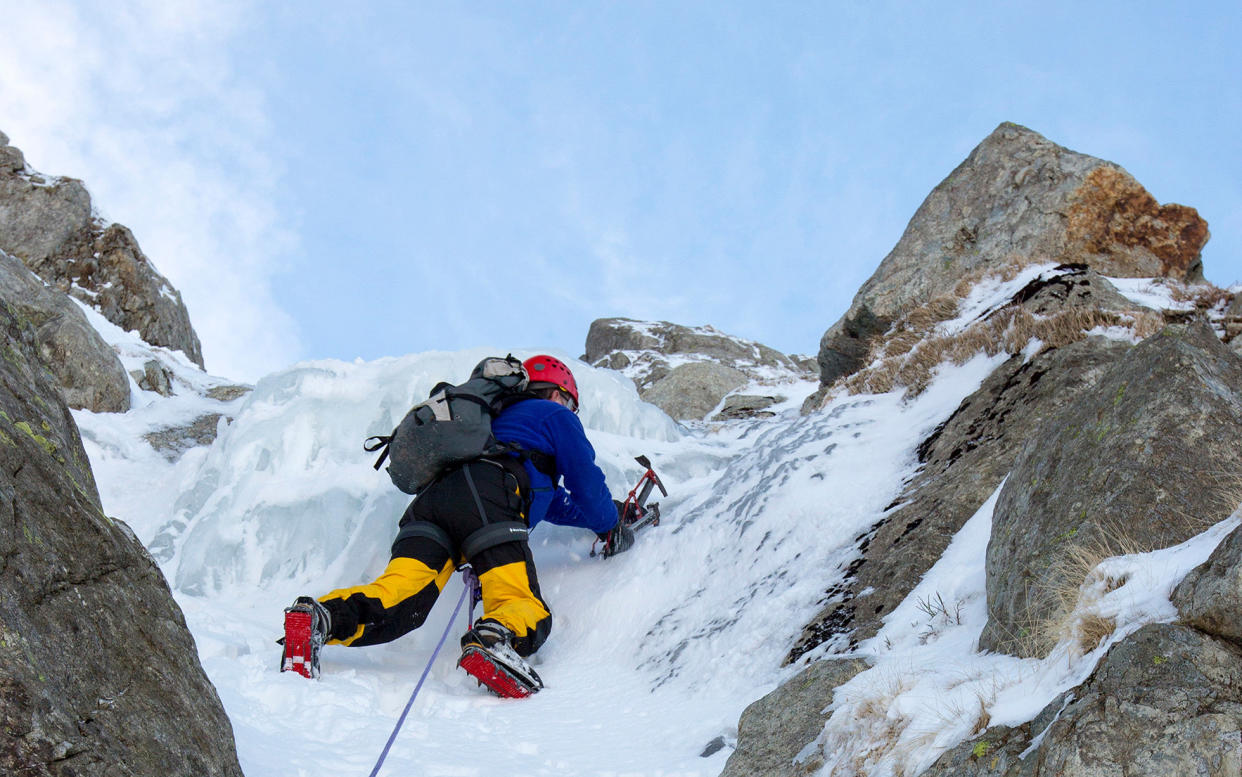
382	441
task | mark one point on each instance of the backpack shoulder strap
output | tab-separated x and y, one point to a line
508	400
544	462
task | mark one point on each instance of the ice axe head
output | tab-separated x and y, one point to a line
650	473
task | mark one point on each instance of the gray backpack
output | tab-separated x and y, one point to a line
452	427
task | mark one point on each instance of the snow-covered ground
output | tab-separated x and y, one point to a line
653	654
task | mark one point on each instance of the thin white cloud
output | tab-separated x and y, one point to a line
149	104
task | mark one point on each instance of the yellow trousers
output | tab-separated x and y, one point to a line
399	600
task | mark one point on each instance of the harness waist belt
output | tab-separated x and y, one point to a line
425	529
492	535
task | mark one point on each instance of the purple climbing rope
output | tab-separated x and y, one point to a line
476	592
426	671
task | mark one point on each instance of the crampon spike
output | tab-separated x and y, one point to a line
498	679
300	654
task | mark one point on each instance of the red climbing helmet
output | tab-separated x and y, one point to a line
550	372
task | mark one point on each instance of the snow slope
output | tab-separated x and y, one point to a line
653	654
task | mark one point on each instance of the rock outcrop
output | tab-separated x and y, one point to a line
48	223
173	441
961	464
1165	702
964	461
98	673
1232	323
1108	447
741	406
687	371
1131	466
774	730
1017	195
87	370
1210	597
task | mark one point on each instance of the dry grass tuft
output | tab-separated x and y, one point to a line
900	343
926	316
882	725
908	359
983	718
1227	486
1065	614
1093	629
1204	296
1147	323
1076	570
1070	326
1020	330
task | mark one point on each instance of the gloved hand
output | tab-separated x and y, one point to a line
624	515
618	540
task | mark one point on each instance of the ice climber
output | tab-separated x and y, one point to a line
444	527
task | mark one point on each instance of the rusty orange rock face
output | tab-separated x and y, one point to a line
1113	215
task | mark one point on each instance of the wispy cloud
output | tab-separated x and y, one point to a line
148	103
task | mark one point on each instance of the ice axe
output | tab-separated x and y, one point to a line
635	512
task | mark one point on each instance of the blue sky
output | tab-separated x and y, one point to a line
385	178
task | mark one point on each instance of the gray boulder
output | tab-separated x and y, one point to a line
98	674
86	369
741	406
1126	467
961	464
665	360
1165	702
48	224
609	335
691	391
172	442
776	728
1017	196
153	377
227	392
1210	597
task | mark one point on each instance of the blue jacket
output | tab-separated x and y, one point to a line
545	426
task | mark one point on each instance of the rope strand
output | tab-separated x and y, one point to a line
417	688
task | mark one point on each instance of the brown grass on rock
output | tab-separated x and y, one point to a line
908	355
926	316
1204	296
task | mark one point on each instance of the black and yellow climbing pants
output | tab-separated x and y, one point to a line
475	514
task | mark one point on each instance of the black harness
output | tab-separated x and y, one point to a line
492	533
